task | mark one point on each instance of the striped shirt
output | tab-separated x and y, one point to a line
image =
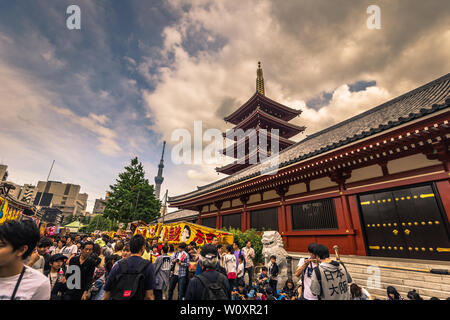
184	262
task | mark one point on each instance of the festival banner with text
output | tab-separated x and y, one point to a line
178	232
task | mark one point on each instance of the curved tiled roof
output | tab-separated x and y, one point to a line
429	98
258	113
289	112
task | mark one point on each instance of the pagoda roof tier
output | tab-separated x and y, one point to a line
283	143
262	120
268	105
376	124
241	164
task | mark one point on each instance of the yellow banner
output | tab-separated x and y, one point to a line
190	232
42	228
149	232
178	232
8	212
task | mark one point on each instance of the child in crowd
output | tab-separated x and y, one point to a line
240	269
273	275
288	292
154	253
263	280
270	294
239	292
393	294
56	276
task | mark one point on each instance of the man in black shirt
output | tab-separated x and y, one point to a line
86	265
208	260
134	261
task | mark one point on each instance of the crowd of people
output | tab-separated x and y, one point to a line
101	268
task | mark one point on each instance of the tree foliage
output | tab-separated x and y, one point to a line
132	197
249	235
69	219
100	223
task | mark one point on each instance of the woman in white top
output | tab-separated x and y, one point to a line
230	265
359	293
70	249
59	247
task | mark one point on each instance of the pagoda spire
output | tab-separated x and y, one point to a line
159	178
259	80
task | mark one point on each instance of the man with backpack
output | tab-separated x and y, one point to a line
162	268
210	284
131	278
330	279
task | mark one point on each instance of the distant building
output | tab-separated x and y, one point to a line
3	172
52	215
99	206
26	194
66	197
180	215
15	191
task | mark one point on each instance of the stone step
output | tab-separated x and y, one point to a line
404	288
398	274
413	282
396	266
382	294
397	262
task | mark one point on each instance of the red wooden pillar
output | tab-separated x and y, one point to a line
244	199
444	193
218	205
359	236
439	152
281	191
340	177
288	218
199	219
219	221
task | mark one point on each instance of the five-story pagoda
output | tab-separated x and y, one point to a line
262	115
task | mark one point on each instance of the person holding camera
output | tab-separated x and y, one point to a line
56	276
180	265
304	270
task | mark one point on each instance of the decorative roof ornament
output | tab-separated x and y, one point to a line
259	80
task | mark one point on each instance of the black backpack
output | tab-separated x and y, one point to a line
214	290
130	285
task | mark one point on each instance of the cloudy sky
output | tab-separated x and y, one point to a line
92	99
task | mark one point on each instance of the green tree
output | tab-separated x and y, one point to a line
84	220
249	235
132	197
100	223
69	219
